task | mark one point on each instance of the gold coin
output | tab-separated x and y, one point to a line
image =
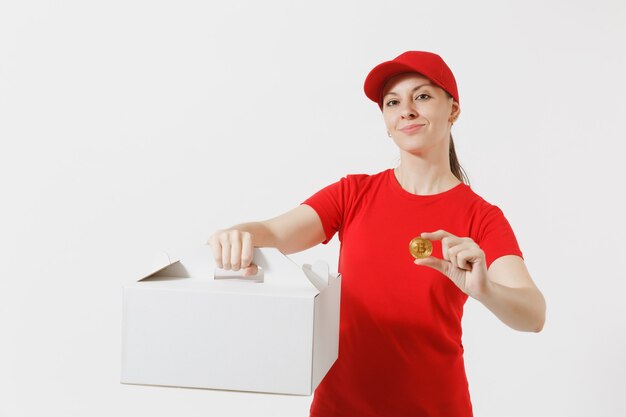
420	247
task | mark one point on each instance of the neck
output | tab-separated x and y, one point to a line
425	174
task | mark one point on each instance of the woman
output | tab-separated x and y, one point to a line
400	350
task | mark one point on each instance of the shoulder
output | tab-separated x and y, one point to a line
354	187
483	216
349	188
365	180
491	229
480	206
368	177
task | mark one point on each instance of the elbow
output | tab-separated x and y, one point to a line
530	326
534	326
535	321
532	318
537	314
541	321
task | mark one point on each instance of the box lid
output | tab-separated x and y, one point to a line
278	275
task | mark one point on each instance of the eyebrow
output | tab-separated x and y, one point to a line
415	89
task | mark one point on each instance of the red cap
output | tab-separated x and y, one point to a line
428	64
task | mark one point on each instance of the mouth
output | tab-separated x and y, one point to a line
411	128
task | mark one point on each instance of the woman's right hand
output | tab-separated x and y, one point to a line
293	231
233	249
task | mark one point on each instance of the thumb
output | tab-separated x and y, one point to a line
250	270
432	262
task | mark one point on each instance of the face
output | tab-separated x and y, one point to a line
418	114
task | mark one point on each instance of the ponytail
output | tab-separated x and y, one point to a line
455	166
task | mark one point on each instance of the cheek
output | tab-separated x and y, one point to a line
389	120
438	118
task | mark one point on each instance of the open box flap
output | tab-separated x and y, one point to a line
159	262
276	270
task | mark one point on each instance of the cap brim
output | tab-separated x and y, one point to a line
378	76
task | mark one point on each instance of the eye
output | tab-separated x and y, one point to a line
389	103
422	96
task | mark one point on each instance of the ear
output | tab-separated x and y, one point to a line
456	111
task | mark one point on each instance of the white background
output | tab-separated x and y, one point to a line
130	127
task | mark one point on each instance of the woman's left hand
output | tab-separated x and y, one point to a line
463	262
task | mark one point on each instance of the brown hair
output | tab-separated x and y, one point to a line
455	166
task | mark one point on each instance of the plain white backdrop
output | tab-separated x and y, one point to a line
131	127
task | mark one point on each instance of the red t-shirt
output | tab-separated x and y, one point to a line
400	350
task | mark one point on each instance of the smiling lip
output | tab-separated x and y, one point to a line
411	128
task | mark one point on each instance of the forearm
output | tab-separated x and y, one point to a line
262	236
522	309
293	231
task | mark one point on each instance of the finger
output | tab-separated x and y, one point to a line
235	252
453	248
463	259
432	262
216	248
250	270
247	250
468	257
449	253
225	254
445	248
438	235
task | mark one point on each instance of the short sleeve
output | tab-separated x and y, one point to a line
329	204
496	237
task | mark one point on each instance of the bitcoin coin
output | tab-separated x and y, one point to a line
420	247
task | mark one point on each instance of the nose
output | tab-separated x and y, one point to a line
408	110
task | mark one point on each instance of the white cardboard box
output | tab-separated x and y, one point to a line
191	325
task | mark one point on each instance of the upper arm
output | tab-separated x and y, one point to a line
297	229
511	271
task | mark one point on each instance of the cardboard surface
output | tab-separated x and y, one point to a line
277	332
